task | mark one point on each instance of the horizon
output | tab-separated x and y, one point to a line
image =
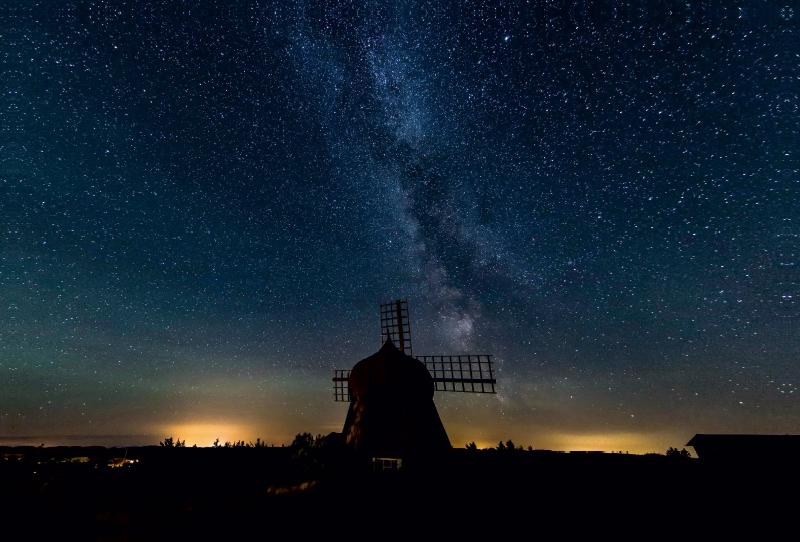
139	441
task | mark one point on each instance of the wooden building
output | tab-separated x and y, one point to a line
750	448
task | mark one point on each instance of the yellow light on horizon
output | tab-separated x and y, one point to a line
607	442
635	443
204	434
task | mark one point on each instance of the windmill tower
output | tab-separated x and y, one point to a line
392	414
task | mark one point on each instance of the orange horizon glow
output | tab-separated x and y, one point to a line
204	434
634	443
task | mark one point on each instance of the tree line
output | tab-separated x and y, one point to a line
509	446
169	442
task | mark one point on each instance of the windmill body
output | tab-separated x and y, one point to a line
392	413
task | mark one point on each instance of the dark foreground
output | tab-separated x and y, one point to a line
176	494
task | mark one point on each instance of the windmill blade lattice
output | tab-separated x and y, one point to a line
466	373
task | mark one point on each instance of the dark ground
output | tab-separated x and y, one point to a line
176	494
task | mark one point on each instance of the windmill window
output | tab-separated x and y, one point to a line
384	464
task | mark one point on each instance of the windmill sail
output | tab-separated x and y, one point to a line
466	373
341	385
395	325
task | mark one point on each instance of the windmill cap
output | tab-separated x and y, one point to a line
390	371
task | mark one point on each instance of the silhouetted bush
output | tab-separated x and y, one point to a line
674	452
241	444
509	446
310	453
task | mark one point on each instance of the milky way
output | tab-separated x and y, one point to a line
203	206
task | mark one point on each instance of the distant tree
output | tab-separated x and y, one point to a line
509	446
530	448
305	442
310	452
216	444
674	452
180	443
167	442
472	446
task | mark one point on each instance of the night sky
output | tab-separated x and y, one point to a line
202	207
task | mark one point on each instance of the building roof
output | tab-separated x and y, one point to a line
734	439
749	446
389	370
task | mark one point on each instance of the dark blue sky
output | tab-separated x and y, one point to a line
203	206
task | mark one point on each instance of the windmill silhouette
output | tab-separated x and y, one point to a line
392	414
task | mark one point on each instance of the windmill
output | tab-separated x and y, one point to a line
391	413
